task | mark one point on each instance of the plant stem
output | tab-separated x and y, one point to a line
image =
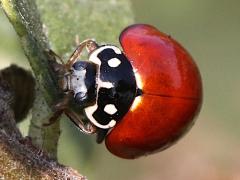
25	19
65	23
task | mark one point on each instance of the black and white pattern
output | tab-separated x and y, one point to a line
83	82
116	87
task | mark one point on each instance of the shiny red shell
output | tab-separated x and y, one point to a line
172	94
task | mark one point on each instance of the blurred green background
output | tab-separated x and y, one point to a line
210	30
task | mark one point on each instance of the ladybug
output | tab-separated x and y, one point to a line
140	99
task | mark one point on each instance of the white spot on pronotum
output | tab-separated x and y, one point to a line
114	62
110	109
136	103
77	82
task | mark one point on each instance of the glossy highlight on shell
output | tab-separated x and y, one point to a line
172	93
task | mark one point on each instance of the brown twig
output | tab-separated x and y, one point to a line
19	158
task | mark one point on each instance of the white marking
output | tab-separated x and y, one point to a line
116	49
93	57
77	81
138	79
89	112
103	84
112	123
114	62
136	103
110	109
100	84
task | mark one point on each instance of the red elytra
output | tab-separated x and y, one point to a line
172	94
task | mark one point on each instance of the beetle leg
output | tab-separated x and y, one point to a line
77	120
62	107
56	63
54	117
58	109
89	44
101	134
52	53
63	104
